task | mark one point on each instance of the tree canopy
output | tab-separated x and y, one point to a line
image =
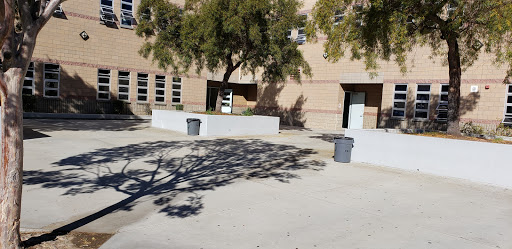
222	35
388	30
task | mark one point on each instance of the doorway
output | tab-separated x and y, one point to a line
353	110
211	99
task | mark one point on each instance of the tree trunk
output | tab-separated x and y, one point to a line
223	86
454	87
11	173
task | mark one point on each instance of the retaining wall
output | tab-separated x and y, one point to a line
476	161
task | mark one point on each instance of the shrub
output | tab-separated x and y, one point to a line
209	111
471	129
503	130
179	107
248	112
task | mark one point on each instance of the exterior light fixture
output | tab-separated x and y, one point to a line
84	35
477	45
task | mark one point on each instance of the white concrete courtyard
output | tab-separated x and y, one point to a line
161	189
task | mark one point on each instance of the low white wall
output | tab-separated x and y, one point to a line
476	161
216	125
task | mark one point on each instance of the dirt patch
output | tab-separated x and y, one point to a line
72	240
442	135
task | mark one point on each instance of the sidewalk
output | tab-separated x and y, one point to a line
160	189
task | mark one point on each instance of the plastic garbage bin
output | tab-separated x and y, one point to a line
193	126
343	149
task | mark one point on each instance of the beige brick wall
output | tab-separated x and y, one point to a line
111	48
313	103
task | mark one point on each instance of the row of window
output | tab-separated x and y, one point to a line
51	85
123	87
107	14
422	102
339	15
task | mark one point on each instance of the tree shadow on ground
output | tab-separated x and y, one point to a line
165	169
328	137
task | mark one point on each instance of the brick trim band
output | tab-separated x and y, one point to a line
443	81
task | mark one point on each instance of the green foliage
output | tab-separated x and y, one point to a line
503	130
209	111
179	107
248	112
498	140
471	129
222	35
390	29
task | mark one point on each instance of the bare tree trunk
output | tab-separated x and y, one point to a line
455	73
11	173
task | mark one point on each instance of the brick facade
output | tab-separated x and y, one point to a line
311	103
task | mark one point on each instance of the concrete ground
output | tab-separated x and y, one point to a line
160	189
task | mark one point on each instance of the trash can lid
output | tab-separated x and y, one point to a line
193	119
343	139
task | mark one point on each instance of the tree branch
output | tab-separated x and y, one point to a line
47	14
25	15
238	64
6	19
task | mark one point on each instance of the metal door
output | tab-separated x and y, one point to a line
356	110
227	102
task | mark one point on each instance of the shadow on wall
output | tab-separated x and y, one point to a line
76	96
163	170
267	104
467	104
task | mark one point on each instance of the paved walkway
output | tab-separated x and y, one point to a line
161	189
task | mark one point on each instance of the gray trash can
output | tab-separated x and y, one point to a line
343	149
193	126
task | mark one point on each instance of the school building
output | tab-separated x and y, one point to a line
86	61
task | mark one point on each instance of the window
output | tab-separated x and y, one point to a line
28	84
289	34
176	90
123	86
301	34
142	87
339	15
58	10
103	84
452	7
508	106
126	13
442	107
358	8
295	75
421	106
107	15
399	101
160	89
51	80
